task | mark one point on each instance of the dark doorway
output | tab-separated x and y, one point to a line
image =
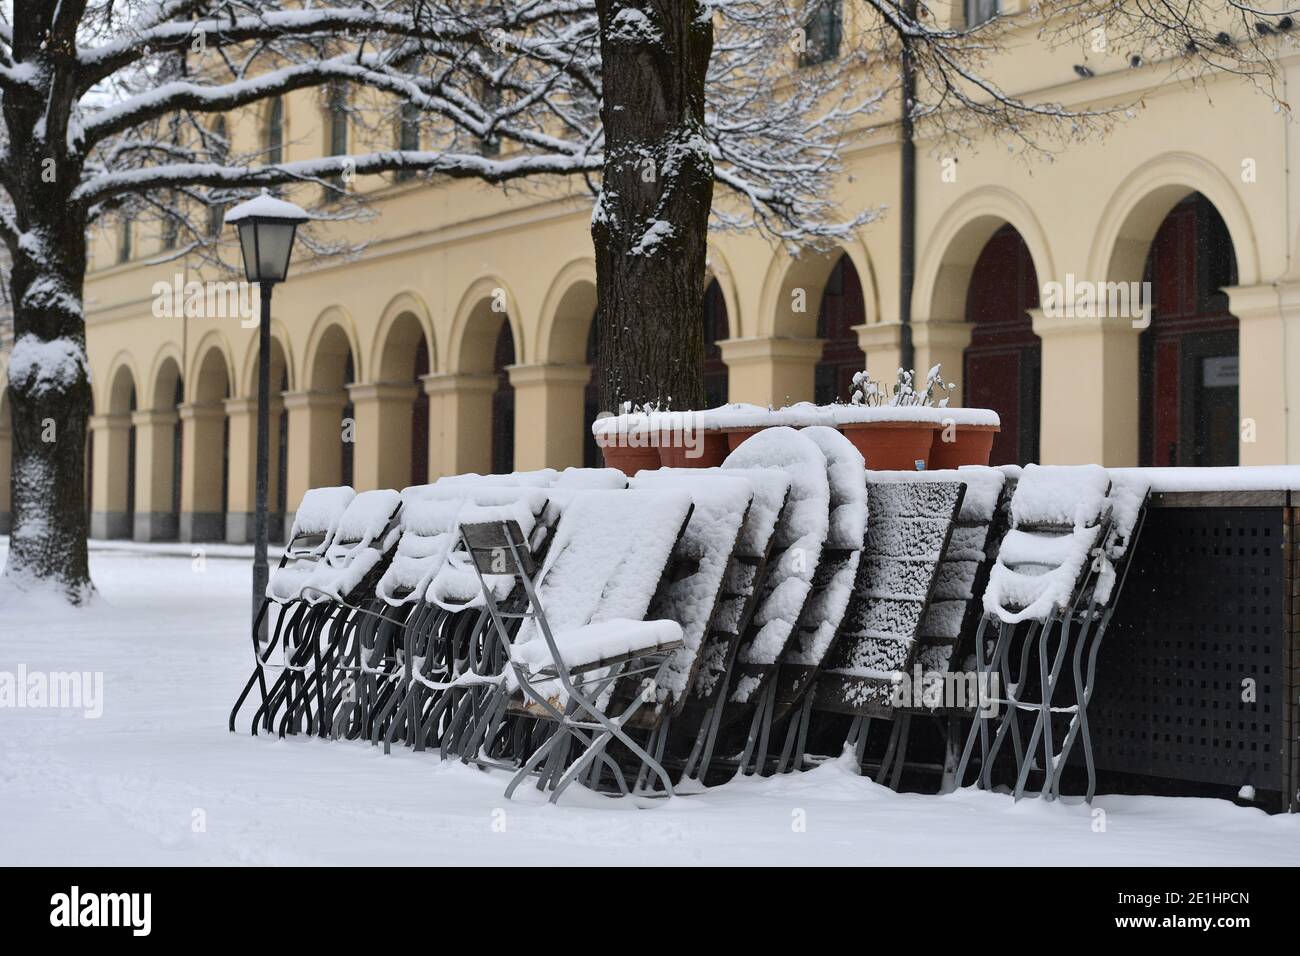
1002	363
715	331
420	419
503	405
1189	413
842	308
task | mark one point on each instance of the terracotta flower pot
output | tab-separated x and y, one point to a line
971	445
891	446
737	435
628	459
710	452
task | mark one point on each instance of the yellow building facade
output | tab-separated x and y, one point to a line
458	339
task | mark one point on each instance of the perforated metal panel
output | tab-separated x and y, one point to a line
1193	676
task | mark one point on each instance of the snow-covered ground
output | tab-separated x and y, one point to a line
157	779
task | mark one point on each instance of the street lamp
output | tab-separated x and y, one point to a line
266	229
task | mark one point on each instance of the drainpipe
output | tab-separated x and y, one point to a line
907	197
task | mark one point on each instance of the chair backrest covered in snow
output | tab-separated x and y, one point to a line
909	524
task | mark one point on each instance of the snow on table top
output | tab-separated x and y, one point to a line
720	504
1236	478
983	486
599	641
1060	495
800	533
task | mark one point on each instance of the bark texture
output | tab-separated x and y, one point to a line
650	225
49	382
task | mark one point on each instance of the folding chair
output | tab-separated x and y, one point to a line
1059	572
332	589
909	527
695	727
693	593
583	626
314	526
800	538
951	619
823	612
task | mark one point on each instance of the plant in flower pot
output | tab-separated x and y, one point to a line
964	437
685	440
627	441
894	427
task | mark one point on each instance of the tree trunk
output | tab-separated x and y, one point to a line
650	225
48	378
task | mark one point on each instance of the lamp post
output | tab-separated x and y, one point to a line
266	230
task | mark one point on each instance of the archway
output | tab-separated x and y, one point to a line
842	307
113	512
205	451
161	475
333	370
716	330
591	456
1002	364
404	360
503	404
1188	354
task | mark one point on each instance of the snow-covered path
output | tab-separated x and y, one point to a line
134	785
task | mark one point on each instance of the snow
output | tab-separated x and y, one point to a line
608	557
265	206
800	536
1036	573
983	487
1060	495
926	414
581	647
846	473
719	504
320	510
43	367
1237	478
158	780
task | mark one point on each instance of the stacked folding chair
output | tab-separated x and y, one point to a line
695	728
909	525
584	632
747	702
314	526
1050	595
312	686
936	687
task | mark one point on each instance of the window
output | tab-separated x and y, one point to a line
822	32
336	128
219	150
980	11
170	230
275	132
408	135
124	239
